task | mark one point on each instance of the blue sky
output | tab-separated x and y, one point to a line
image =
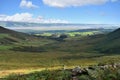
61	11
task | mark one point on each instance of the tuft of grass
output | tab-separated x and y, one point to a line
3	35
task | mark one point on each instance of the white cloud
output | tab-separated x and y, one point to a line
27	4
68	3
27	17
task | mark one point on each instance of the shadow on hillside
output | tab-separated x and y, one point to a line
29	49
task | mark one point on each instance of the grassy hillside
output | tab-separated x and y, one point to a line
110	43
10	39
10	36
37	53
100	43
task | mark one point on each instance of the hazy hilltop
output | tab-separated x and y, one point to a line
54	26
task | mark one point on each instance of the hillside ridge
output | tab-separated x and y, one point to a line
10	36
110	43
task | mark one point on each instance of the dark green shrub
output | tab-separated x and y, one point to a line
84	77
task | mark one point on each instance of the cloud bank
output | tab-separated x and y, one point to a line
27	17
27	4
68	3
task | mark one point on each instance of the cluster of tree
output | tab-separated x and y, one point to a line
59	37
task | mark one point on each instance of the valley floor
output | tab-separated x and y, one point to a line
23	62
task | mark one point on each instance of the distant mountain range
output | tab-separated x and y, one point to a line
54	26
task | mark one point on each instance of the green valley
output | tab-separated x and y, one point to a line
29	53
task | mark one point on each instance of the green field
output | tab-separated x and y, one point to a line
70	34
3	35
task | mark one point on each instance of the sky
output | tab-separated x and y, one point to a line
61	11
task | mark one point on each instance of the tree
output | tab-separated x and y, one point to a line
62	37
